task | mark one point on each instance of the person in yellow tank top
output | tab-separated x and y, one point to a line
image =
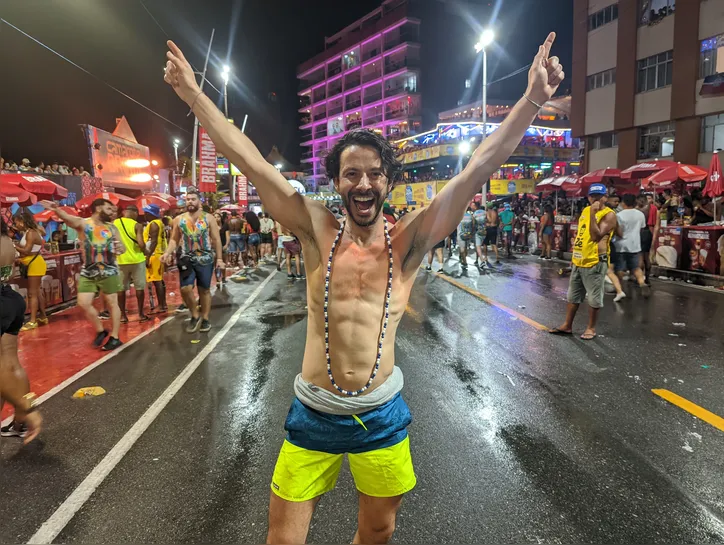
154	236
132	262
589	262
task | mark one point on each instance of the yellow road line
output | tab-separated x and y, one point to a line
492	302
700	412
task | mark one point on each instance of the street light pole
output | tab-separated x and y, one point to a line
486	38
225	75
176	142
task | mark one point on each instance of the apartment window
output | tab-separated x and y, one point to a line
604	140
655	72
603	17
657	140
652	11
712	133
602	79
711	57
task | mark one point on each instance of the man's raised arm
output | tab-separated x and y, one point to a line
279	197
74	222
447	208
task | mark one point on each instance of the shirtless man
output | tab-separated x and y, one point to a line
237	240
360	272
198	235
14	385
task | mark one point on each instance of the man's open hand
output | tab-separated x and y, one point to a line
180	75
545	74
49	205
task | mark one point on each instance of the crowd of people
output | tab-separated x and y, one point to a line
42	168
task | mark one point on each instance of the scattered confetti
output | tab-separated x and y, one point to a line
678	324
705	366
196	341
155	459
521	306
673	334
682	344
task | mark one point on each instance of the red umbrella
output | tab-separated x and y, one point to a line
116	198
145	200
547	185
50	215
37	185
165	196
598	176
677	174
714	184
13	194
232	208
646	169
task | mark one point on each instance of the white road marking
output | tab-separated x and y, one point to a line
70	380
67	510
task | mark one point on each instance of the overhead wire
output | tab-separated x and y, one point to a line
91	74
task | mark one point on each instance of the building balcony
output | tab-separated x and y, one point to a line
334	91
319	116
305	135
399	64
372	97
304	101
351	83
373	120
319	94
399	113
352	104
354	124
321	133
370	76
335	111
401	90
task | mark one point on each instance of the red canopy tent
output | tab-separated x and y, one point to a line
600	176
116	198
714	183
676	175
165	196
36	184
145	200
50	215
646	169
13	194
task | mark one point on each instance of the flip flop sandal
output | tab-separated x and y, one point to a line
588	336
124	320
144	319
562	333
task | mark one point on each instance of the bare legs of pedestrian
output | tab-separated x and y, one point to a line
567	325
140	300
160	288
616	284
205	297
36	298
187	294
85	301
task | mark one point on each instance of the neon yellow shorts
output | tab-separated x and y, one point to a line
302	474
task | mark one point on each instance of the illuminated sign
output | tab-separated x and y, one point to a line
207	163
117	161
511	187
453	131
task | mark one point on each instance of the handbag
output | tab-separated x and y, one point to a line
23	268
184	266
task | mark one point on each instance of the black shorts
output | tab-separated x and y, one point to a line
266	238
12	311
440	244
491	236
647	239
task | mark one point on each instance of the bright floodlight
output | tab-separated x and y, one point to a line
225	73
176	141
486	38
226	69
464	147
278	166
154	163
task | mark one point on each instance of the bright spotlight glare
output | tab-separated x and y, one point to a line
176	141
154	163
138	163
141	178
278	166
486	38
226	69
464	147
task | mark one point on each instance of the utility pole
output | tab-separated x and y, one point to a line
196	119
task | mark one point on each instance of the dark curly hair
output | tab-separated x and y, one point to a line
364	137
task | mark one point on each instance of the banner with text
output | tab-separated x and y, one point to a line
242	191
511	187
207	163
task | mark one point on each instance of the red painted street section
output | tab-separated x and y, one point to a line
57	351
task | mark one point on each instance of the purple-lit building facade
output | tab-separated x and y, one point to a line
367	77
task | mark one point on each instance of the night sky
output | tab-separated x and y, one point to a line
44	98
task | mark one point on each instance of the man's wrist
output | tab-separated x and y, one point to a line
536	99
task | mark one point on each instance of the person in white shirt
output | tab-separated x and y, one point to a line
628	246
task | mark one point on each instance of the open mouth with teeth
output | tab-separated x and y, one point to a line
364	205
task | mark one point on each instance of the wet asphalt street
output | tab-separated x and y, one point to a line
517	436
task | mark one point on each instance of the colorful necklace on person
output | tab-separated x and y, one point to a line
384	323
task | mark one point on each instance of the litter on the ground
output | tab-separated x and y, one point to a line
673	334
195	341
678	324
705	366
682	344
89	391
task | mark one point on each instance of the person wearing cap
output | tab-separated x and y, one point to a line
156	242
589	262
132	262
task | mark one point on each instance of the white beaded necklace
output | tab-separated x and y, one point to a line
384	323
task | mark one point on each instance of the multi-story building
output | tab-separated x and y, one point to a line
366	77
546	149
643	81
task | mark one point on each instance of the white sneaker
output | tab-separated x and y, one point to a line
618	297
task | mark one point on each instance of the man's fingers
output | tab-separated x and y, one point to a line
548	44
555	75
553	63
175	50
175	61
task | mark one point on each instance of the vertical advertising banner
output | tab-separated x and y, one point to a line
207	163
242	191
